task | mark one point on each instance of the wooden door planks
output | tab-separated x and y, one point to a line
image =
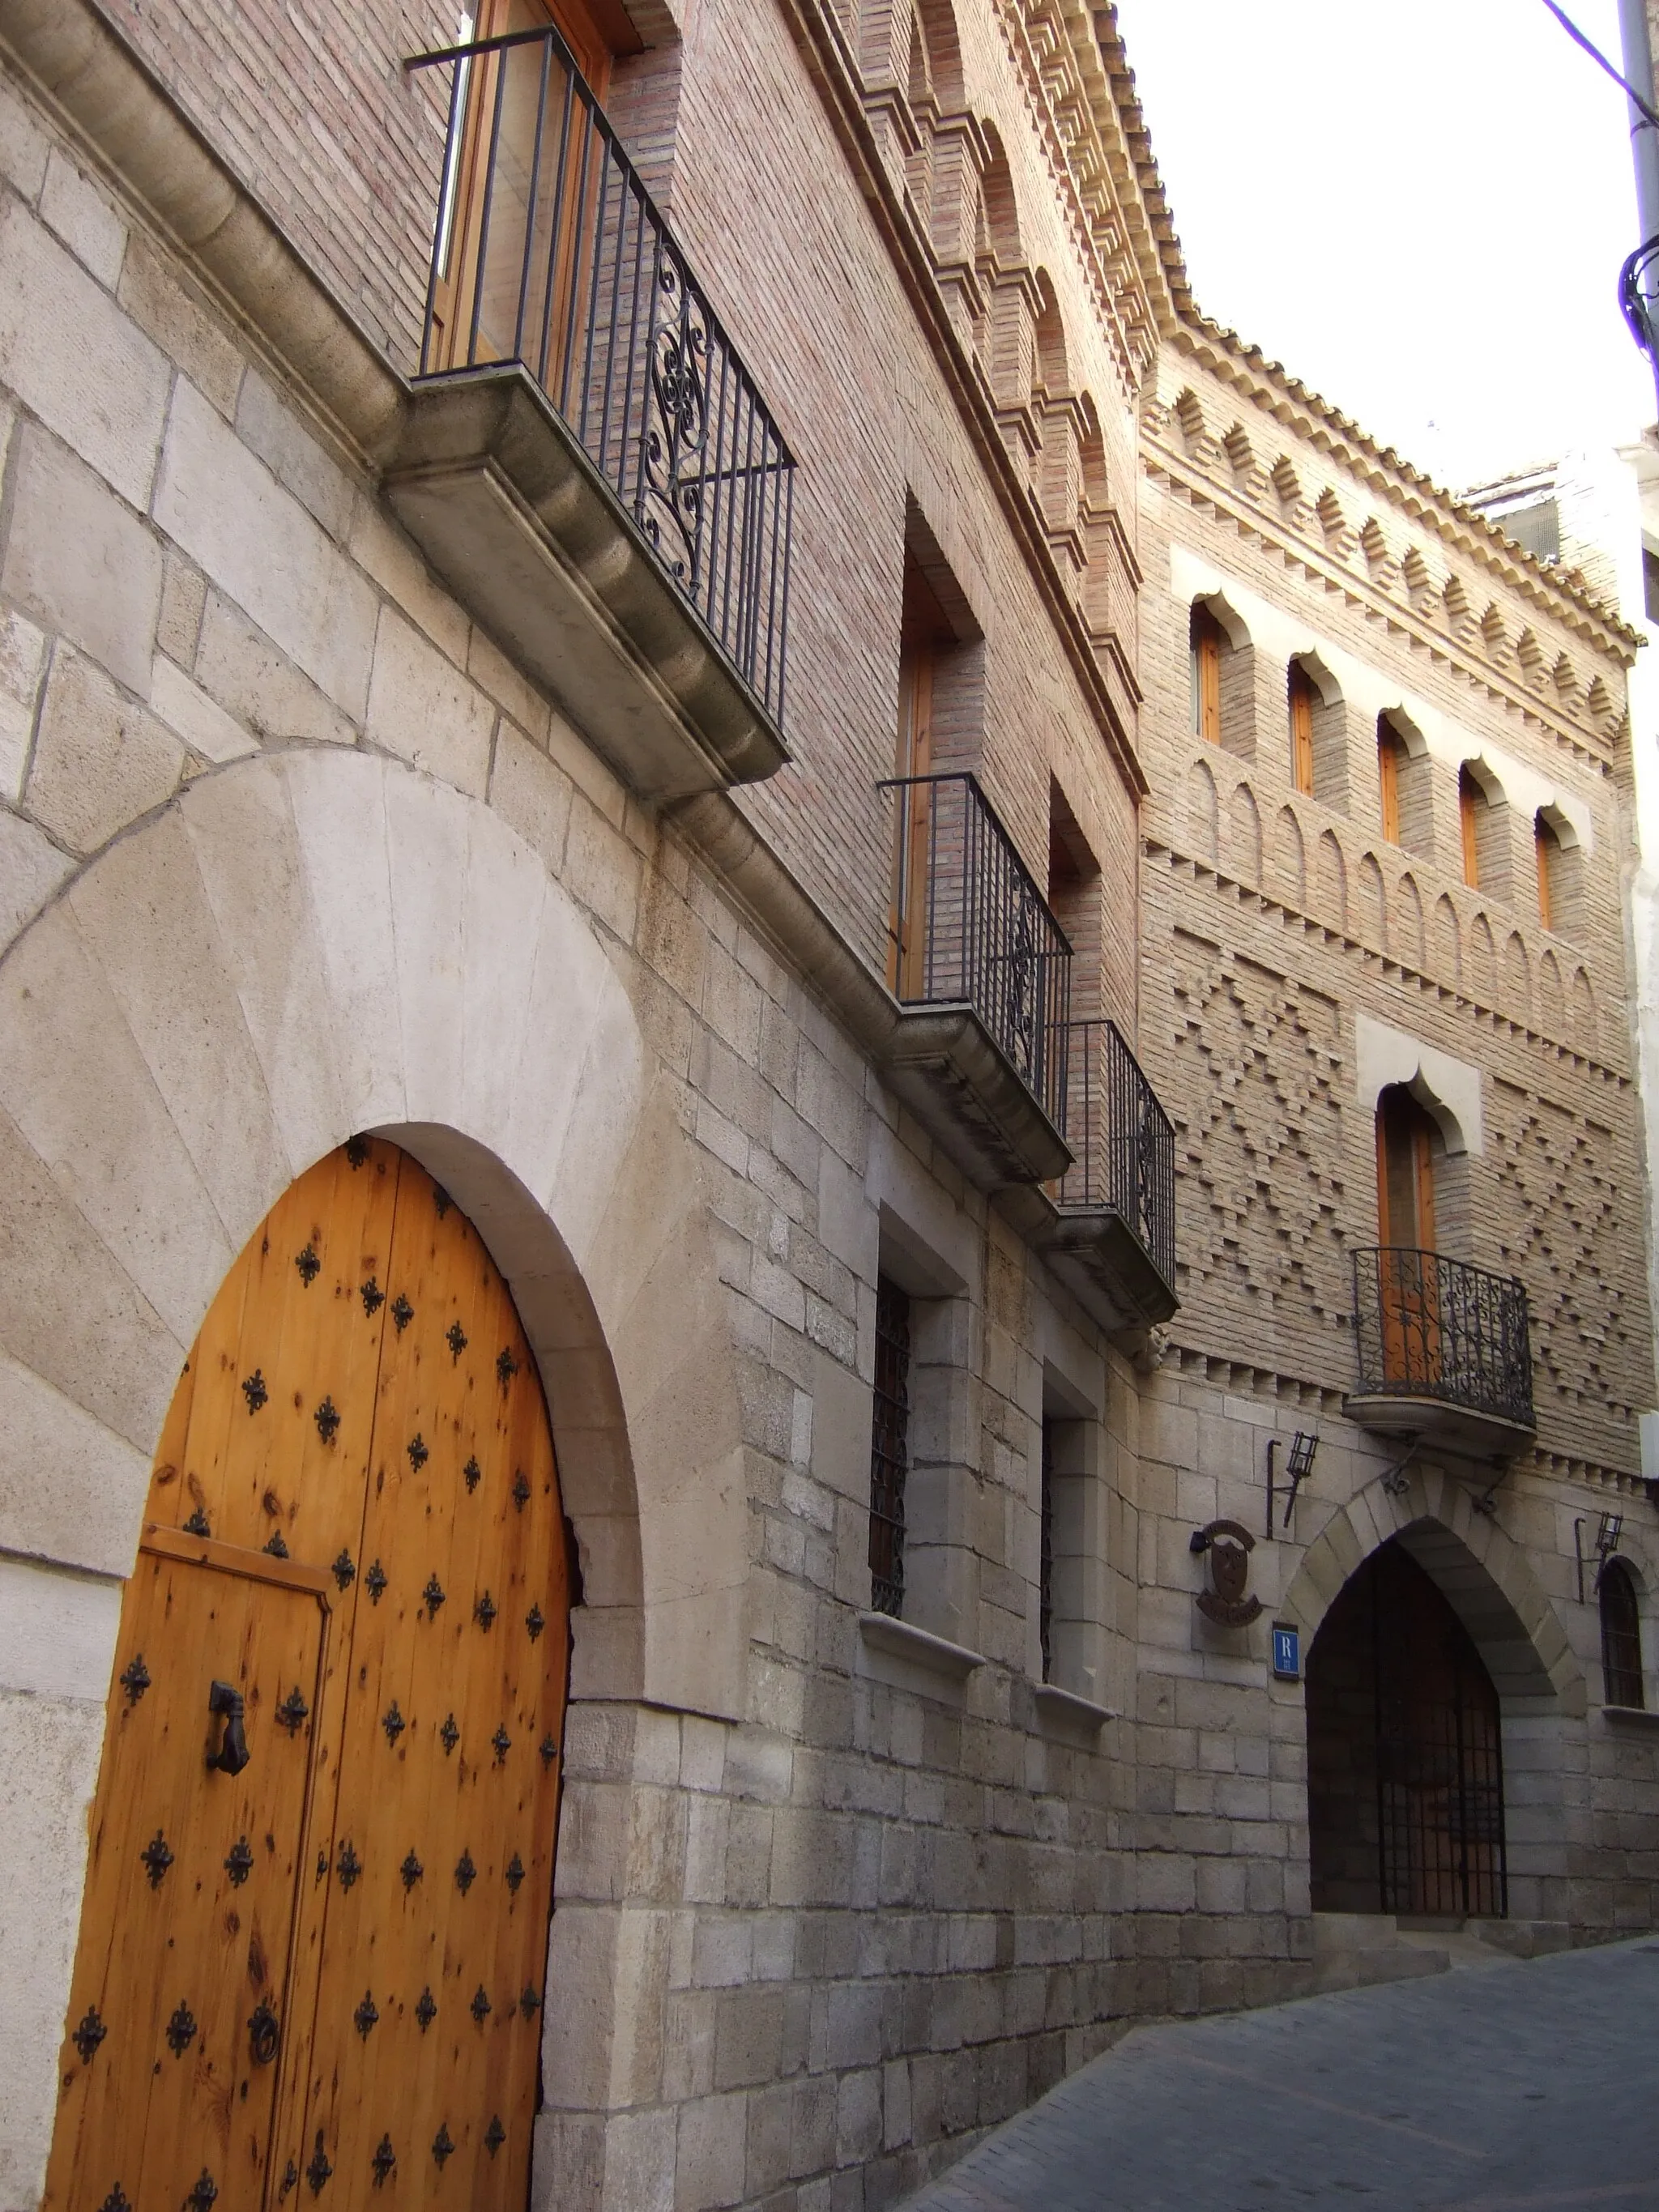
402	1658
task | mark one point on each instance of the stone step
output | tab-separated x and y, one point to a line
1356	1950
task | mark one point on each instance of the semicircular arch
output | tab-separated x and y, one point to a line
308	946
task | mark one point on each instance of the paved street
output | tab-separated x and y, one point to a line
1521	2087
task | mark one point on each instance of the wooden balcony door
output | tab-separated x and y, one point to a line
314	1929
520	226
1411	1333
907	920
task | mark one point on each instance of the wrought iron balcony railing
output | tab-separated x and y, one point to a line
1122	1141
968	927
1428	1327
548	251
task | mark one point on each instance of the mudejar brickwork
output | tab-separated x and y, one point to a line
967	930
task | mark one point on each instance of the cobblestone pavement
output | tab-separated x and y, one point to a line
1527	2086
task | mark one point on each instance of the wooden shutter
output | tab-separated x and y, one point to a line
1388	779
1206	648
1405	1173
1544	846
1468	802
1301	702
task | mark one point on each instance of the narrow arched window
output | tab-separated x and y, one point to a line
1621	1637
1205	640
1300	692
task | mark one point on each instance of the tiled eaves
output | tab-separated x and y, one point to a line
1122	128
1591	747
1269	386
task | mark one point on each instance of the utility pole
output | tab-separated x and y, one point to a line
1637	53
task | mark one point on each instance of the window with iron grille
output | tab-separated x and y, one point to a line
1046	1566
890	1448
1621	1637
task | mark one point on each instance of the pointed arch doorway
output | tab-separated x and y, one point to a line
1405	1758
314	1931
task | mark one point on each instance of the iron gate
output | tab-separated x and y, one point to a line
1433	1761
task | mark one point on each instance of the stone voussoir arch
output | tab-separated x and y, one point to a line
304	946
1482	1572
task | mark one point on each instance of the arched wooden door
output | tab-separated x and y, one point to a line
315	1924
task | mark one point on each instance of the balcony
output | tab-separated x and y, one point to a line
583	457
981	970
1111	1236
1444	1351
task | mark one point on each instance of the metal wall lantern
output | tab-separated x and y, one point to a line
1608	1530
1298	1465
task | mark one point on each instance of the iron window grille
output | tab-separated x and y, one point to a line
1429	1326
1621	1637
1046	1559
1122	1141
968	927
890	1448
549	251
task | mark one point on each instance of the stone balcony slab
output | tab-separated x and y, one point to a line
498	492
1440	1422
944	1064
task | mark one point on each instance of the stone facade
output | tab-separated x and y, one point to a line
292	849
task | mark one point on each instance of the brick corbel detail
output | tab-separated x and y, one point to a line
823	49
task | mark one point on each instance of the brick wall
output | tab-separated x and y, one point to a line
311	108
1271	921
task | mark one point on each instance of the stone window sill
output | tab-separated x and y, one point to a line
1063	1712
911	1658
1629	1716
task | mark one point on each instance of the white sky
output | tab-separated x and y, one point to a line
1420	209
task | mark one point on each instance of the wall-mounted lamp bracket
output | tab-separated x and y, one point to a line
1298	1465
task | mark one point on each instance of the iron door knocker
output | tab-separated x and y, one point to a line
232	1755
